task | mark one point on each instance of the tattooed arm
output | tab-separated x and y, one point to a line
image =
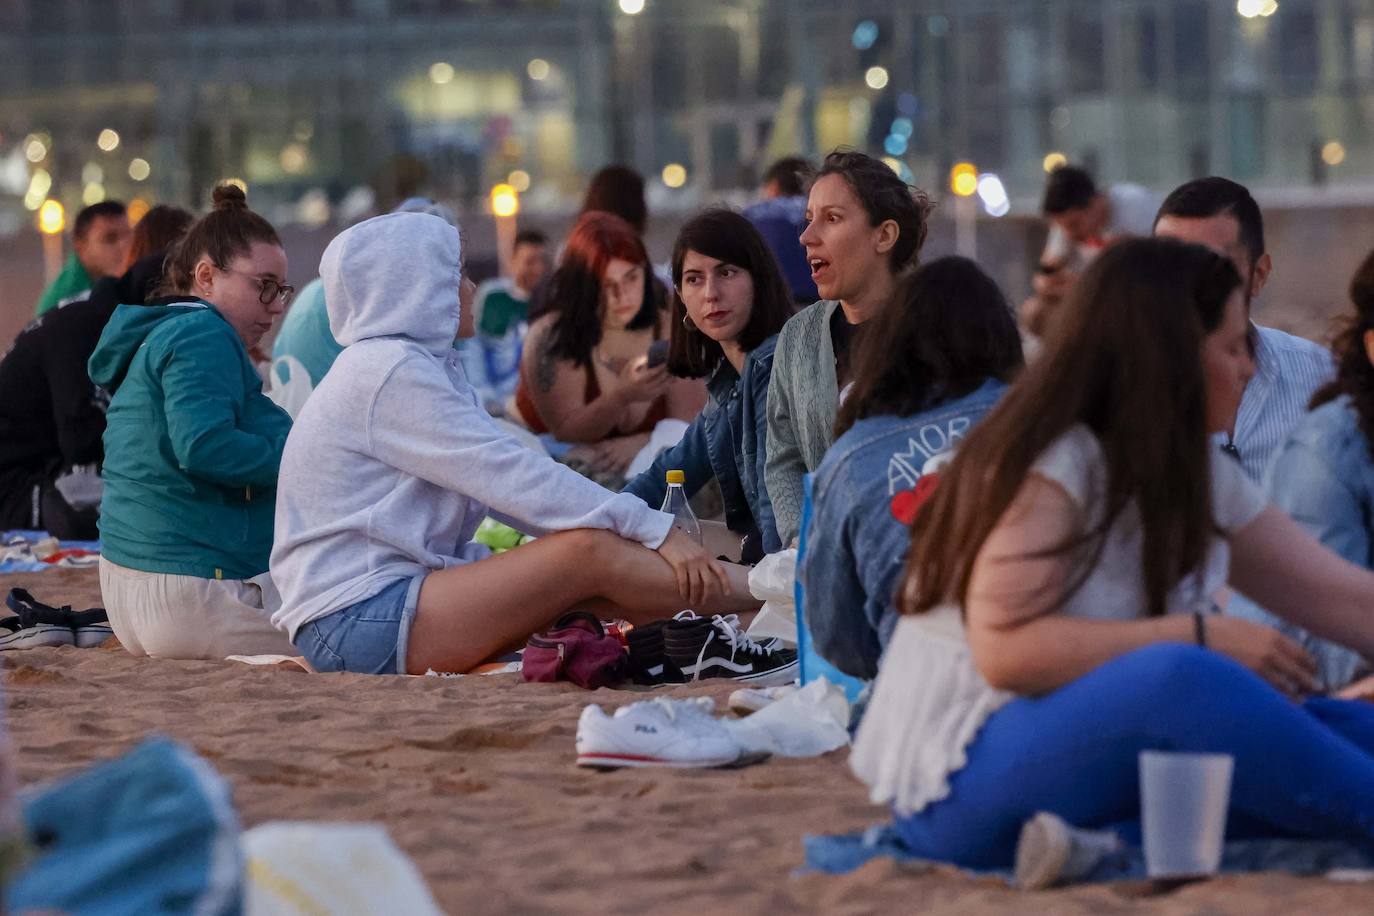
558	388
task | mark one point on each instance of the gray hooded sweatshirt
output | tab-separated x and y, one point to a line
392	463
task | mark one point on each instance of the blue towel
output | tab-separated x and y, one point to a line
19	535
840	853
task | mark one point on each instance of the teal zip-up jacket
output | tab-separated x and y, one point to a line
192	445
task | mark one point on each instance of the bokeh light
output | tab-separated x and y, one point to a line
505	200
963	179
674	175
52	217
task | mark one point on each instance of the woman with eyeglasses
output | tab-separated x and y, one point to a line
192	446
585	376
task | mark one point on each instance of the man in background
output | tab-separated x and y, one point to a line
1083	220
491	359
100	240
1220	214
780	218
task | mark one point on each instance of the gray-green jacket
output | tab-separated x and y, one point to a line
803	398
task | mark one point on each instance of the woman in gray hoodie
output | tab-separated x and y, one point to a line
393	463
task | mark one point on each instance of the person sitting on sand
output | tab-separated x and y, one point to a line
583	374
192	446
933	364
730	303
1057	601
52	416
1323	475
865	228
393	463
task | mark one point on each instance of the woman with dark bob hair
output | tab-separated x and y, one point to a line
865	227
1058	614
933	364
1323	475
730	303
584	376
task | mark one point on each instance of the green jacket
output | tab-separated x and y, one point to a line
70	283
192	445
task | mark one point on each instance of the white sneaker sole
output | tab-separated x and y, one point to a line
773	677
636	760
92	636
39	636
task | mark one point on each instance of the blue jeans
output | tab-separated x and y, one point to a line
369	637
1301	770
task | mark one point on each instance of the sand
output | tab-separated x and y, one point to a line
474	779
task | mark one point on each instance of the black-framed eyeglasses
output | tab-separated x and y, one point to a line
268	289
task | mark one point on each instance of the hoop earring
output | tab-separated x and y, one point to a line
687	322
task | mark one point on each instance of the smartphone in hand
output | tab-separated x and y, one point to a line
658	354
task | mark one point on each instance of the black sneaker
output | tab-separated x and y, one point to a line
90	627
701	648
33	625
649	665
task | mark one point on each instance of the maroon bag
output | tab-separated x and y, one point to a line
578	649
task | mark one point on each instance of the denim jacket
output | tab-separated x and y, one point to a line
1323	476
726	441
857	541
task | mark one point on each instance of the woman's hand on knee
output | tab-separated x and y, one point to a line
1265	651
699	578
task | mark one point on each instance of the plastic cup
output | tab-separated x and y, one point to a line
1183	804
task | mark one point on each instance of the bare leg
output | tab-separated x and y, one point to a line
719	540
466	613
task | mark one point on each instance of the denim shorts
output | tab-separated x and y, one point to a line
369	637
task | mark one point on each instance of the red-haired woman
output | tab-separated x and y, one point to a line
584	376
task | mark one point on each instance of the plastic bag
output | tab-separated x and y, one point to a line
297	868
772	581
806	723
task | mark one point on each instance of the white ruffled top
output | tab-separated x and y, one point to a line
929	700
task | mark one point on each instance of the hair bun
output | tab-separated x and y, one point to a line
229	197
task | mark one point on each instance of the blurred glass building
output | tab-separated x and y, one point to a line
309	100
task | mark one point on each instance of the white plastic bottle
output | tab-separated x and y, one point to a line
675	504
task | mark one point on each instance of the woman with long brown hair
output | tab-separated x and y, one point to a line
1059	589
933	364
1323	475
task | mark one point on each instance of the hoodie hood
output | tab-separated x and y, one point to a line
394	276
128	327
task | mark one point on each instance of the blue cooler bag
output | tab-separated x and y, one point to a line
151	832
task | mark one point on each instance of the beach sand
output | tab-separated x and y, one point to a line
474	779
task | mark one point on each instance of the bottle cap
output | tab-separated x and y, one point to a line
677	477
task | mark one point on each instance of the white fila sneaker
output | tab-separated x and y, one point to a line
655	733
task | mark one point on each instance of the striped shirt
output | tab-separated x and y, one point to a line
1288	372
